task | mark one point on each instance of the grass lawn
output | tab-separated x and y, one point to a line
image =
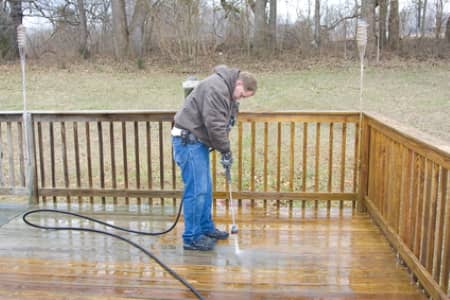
417	94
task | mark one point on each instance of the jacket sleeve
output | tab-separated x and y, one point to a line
215	113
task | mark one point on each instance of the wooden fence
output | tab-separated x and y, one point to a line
293	160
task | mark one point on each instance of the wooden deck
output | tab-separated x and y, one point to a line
276	255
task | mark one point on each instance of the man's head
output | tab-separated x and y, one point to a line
246	86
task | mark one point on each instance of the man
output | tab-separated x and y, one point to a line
203	122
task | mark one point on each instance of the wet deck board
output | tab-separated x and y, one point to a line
275	256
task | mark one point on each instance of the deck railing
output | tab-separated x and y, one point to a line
291	160
405	186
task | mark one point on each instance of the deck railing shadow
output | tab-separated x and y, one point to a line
283	159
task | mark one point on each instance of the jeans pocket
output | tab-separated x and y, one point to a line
180	154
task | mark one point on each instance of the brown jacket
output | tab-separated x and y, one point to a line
207	111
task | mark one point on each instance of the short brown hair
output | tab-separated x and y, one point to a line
249	81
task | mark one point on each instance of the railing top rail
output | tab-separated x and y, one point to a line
412	138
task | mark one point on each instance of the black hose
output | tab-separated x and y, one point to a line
165	267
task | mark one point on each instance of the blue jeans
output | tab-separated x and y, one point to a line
193	160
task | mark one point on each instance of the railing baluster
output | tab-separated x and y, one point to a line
252	158
440	212
89	158
304	160
125	159
12	173
149	160
330	164
316	166
446	234
1	156
136	158
77	157
52	156
266	159
21	153
278	161
113	158
240	158
161	158
355	163
64	157
343	161
101	158
291	161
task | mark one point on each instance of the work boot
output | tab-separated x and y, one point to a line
217	234
202	243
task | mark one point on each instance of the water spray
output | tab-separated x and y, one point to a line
234	228
21	43
361	41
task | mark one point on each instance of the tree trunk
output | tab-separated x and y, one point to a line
439	14
317	23
16	19
83	29
422	23
382	23
447	32
259	38
419	17
273	24
140	15
368	14
120	29
394	26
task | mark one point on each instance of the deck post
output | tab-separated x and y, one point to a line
30	167
363	164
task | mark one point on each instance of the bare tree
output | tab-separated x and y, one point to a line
422	22
394	26
260	25
447	32
439	15
317	23
120	29
83	28
368	13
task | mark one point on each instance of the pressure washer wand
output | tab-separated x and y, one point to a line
234	228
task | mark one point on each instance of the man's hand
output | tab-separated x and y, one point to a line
227	160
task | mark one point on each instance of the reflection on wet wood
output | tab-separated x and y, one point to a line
285	254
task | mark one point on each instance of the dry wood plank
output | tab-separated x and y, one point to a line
426	212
